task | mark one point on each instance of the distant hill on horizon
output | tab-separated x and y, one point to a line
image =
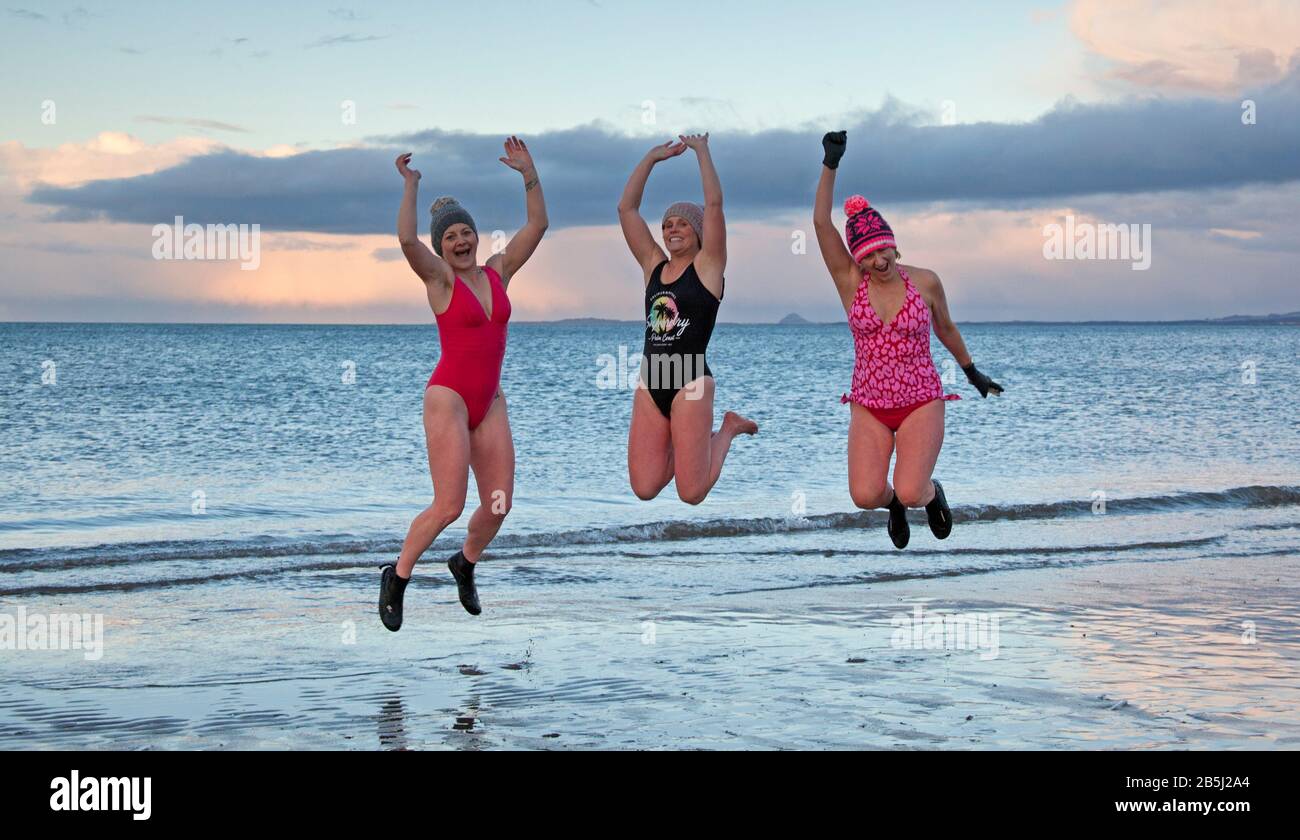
1285	318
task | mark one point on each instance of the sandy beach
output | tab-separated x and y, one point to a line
1119	655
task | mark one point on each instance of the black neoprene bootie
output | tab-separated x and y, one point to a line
899	531
463	571
938	513
391	590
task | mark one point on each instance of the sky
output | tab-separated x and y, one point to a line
975	128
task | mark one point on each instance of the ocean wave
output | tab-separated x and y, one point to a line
118	554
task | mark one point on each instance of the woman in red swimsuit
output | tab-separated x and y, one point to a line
465	422
897	400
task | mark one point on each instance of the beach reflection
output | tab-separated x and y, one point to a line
391	723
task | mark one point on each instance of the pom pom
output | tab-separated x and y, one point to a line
855	204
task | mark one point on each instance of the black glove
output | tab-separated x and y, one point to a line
834	143
981	382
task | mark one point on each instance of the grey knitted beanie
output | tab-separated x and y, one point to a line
692	213
445	212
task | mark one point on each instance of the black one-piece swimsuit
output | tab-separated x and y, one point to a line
679	319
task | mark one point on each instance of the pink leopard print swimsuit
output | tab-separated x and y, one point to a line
894	373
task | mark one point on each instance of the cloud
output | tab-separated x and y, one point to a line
72	18
193	123
289	242
990	259
1231	233
108	155
75	17
58	246
1135	146
1191	45
336	40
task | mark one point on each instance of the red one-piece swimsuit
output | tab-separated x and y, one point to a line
473	346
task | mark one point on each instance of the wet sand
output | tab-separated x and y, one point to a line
1116	655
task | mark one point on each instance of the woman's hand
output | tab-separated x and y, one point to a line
834	144
411	175
517	156
665	151
981	382
694	141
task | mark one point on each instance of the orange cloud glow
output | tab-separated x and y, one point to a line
1204	45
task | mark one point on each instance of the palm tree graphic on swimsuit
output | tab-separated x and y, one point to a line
661	316
664	318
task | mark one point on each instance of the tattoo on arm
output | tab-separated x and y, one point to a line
528	185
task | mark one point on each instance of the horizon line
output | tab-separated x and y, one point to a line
1283	318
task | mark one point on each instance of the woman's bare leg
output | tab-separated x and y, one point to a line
919	440
870	445
698	451
492	458
649	447
446	435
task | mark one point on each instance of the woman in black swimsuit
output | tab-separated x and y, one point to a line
672	433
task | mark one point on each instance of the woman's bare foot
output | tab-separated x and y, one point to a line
737	425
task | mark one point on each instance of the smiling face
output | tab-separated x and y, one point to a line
879	264
679	236
460	247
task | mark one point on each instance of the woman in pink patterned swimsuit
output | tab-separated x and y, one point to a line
897	400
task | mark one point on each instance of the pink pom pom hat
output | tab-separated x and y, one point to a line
866	230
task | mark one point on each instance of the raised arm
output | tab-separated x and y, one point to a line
423	261
712	259
525	241
839	262
640	242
